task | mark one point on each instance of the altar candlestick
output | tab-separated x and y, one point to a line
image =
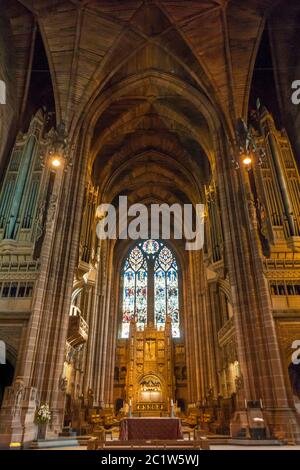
172	408
130	408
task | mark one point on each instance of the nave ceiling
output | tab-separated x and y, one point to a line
209	45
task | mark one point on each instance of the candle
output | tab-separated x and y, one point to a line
172	408
130	408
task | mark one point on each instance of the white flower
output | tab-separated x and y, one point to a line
43	414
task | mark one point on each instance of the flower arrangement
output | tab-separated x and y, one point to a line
43	414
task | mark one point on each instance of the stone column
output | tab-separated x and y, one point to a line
257	344
211	341
99	313
41	366
188	329
194	332
104	315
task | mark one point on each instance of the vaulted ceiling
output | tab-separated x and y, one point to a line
145	73
213	42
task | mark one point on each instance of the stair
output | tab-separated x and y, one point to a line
60	442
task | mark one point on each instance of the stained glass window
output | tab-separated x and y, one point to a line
166	290
135	291
150	247
153	258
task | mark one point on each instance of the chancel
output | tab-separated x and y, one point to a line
115	111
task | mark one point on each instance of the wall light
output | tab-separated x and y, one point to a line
58	154
247	161
55	162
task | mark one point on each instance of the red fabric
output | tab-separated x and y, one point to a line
141	429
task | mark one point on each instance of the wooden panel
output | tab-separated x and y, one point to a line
122	11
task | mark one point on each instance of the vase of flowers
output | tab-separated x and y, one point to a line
42	418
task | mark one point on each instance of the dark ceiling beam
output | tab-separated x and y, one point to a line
29	4
229	68
80	3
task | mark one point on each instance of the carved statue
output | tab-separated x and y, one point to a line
39	221
18	395
51	210
150	349
239	382
63	384
90	398
262	218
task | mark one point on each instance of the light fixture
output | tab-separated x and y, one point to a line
55	162
247	161
15	444
58	143
251	155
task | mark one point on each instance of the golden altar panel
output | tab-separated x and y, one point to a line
147	370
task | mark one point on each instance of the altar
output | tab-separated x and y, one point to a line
137	429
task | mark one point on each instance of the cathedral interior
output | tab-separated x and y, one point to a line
164	102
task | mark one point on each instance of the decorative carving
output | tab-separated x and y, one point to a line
150	350
227	332
19	391
262	218
63	384
38	227
239	383
149	371
18	276
51	211
90	398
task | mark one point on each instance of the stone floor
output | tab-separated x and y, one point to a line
213	447
231	447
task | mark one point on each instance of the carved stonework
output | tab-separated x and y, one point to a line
148	373
63	384
51	211
39	221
